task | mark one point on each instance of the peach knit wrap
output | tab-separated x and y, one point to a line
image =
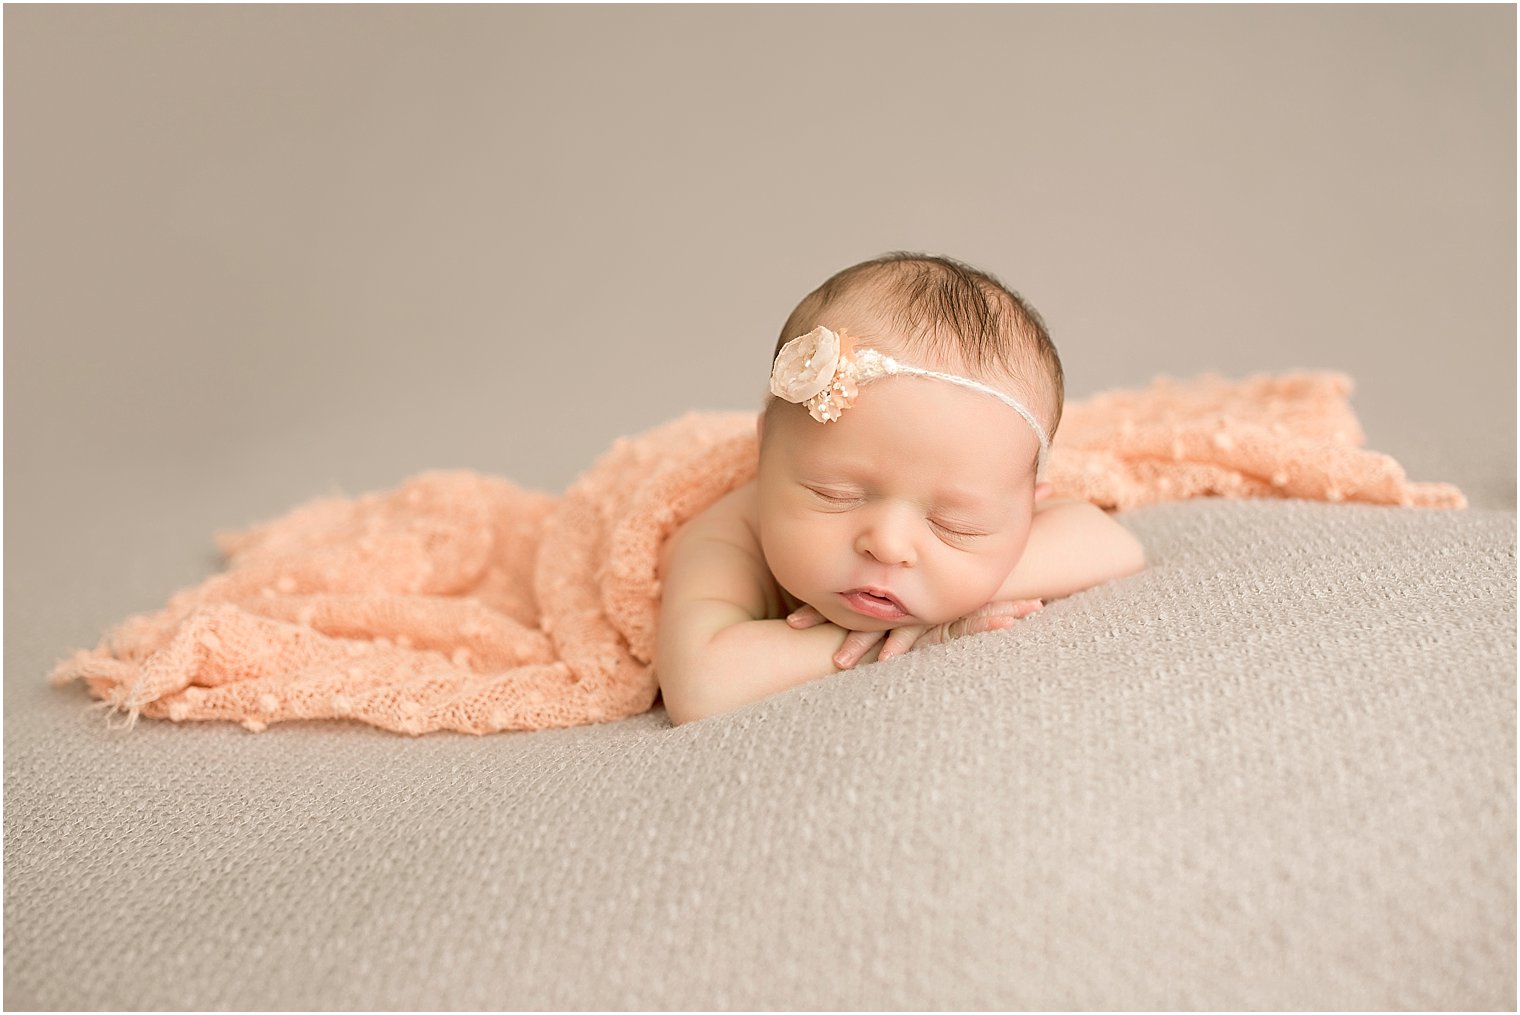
460	601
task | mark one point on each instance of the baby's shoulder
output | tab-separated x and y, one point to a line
731	520
717	555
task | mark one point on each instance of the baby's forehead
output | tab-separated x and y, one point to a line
954	472
950	478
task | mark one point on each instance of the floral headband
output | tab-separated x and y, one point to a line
823	371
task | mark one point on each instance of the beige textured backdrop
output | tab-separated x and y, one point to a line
258	253
347	242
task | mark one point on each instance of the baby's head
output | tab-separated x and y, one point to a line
888	496
938	313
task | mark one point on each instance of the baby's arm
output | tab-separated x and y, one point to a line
716	650
1073	545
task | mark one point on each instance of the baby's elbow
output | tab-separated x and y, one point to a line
1114	550
681	712
682	705
1129	555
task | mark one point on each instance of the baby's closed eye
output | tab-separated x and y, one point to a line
835	495
957	531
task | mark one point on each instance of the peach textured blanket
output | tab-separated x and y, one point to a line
461	602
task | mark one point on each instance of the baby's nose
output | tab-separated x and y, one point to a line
888	541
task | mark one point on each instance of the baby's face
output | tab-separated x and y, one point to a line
913	507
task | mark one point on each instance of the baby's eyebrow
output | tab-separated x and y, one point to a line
953	497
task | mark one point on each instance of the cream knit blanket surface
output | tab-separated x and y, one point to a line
460	601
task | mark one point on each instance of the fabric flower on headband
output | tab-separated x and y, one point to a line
823	371
817	370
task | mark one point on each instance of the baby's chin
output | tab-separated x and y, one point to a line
852	621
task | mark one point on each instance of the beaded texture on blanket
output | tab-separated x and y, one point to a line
462	602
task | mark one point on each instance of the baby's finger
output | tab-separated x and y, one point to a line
804	617
994	617
1024	607
1010	608
856	645
899	642
982	623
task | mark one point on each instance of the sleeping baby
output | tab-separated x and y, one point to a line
898	496
897	502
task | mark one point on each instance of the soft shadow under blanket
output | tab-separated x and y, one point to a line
462	602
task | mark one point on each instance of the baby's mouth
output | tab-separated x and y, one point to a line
874	602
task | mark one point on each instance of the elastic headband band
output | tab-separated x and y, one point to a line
823	371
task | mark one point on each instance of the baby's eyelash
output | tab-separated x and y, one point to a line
833	498
958	533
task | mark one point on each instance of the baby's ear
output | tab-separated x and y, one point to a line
1041	491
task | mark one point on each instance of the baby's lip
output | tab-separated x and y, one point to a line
875	601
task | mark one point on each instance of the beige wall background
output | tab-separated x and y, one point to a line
259	253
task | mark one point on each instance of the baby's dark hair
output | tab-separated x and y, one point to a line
945	308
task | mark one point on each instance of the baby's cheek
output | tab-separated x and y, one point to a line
787	558
978	586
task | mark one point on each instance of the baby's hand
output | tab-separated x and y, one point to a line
992	617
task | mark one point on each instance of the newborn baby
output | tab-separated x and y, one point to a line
897	502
